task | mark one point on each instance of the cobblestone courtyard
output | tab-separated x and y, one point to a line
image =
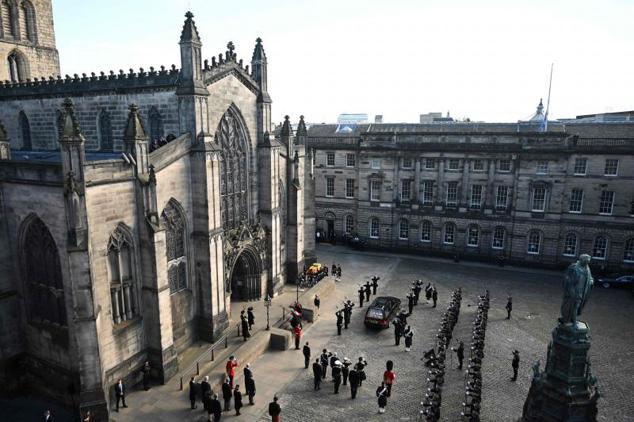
536	298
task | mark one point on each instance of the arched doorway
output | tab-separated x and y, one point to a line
246	277
330	226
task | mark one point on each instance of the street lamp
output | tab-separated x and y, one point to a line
267	304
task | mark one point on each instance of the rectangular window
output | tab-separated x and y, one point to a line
407	163
501	197
600	249
428	192
330	186
539	199
450	232
476	197
330	159
375	163
473	236
534	240
403	232
452	193
542	167
374	228
498	238
478	165
606	203
576	200
454	164
405	190
349	188
504	165
580	166
349	224
375	190
425	231
611	167
429	163
351	160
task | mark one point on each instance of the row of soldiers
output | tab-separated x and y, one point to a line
436	361
473	385
366	289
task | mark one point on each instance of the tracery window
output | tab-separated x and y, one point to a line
175	233
234	169
25	131
43	275
122	280
105	131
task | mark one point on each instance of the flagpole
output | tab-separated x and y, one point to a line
550	84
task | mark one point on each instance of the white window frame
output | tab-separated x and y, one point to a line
453	202
504	170
628	251
328	156
575	201
349	190
348	227
498	243
535	201
615	168
351	158
480	168
425	229
501	192
567	244
427	161
530	242
375	163
403	228
604	248
428	192
473	235
603	202
473	204
445	234
405	161
375	188
372	228
406	190
541	167
330	183
576	169
453	160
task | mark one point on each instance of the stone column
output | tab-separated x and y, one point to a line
416	187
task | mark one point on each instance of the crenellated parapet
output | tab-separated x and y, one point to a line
76	84
223	64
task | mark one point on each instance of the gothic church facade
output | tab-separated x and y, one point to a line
134	207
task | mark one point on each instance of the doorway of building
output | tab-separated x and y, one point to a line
246	277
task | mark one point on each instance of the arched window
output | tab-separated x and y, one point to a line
122	276
425	231
498	238
374	228
403	229
175	234
349	224
473	235
18	67
8	19
628	253
449	233
42	275
234	167
570	245
534	242
27	21
105	131
156	125
600	248
25	131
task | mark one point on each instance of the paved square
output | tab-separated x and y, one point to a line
536	299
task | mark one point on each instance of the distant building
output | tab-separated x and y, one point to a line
378	118
434	117
618	116
352	118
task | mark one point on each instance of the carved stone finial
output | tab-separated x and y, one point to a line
134	128
69	129
189	15
230	46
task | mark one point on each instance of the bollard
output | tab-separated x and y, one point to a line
181	383
226	342
212	355
238	330
197	369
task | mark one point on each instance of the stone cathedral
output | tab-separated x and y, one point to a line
134	207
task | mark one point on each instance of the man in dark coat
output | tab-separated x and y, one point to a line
360	367
119	390
208	405
250	317
434	296
323	360
193	392
146	376
460	353
509	307
368	291
227	394
306	352
216	408
317	302
333	359
353	379
249	383
515	364
339	271
336	375
361	296
345	370
347	313
339	315
318	374
398	331
418	286
428	290
205	387
375	284
237	399
275	410
334	269
410	302
244	326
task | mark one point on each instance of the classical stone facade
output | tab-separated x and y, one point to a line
133	209
481	190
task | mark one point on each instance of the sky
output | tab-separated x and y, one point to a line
487	60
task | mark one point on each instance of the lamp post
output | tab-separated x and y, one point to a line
267	304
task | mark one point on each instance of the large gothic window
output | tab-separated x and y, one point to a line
175	233
156	125
8	18
27	21
122	280
234	178
105	131
25	131
42	275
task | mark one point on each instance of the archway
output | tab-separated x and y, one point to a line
246	277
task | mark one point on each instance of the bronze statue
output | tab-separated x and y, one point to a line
577	285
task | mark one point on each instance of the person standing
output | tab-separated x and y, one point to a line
333	359
361	295
146	375
339	271
119	390
418	286
249	383
323	360
334	270
306	352
339	315
237	399
205	387
410	302
48	416
360	367
375	284
368	291
428	290
398	331
353	379
193	392
244	326
207	405
347	313
250	317
275	410
460	353
317	302
409	336
318	374
434	295
381	394
509	307
227	394
216	409
336	375
345	370
231	366
515	364
298	335
389	376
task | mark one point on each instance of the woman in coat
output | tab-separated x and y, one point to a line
237	399
381	393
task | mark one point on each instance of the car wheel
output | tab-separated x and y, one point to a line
605	285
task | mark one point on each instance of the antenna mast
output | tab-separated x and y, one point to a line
550	84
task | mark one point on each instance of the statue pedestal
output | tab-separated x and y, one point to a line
566	390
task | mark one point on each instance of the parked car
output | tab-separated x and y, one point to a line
616	281
381	311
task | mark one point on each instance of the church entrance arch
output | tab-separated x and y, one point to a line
246	277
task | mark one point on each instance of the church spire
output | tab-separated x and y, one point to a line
259	69
191	75
190	32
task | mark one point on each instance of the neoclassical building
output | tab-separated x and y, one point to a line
481	190
134	207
